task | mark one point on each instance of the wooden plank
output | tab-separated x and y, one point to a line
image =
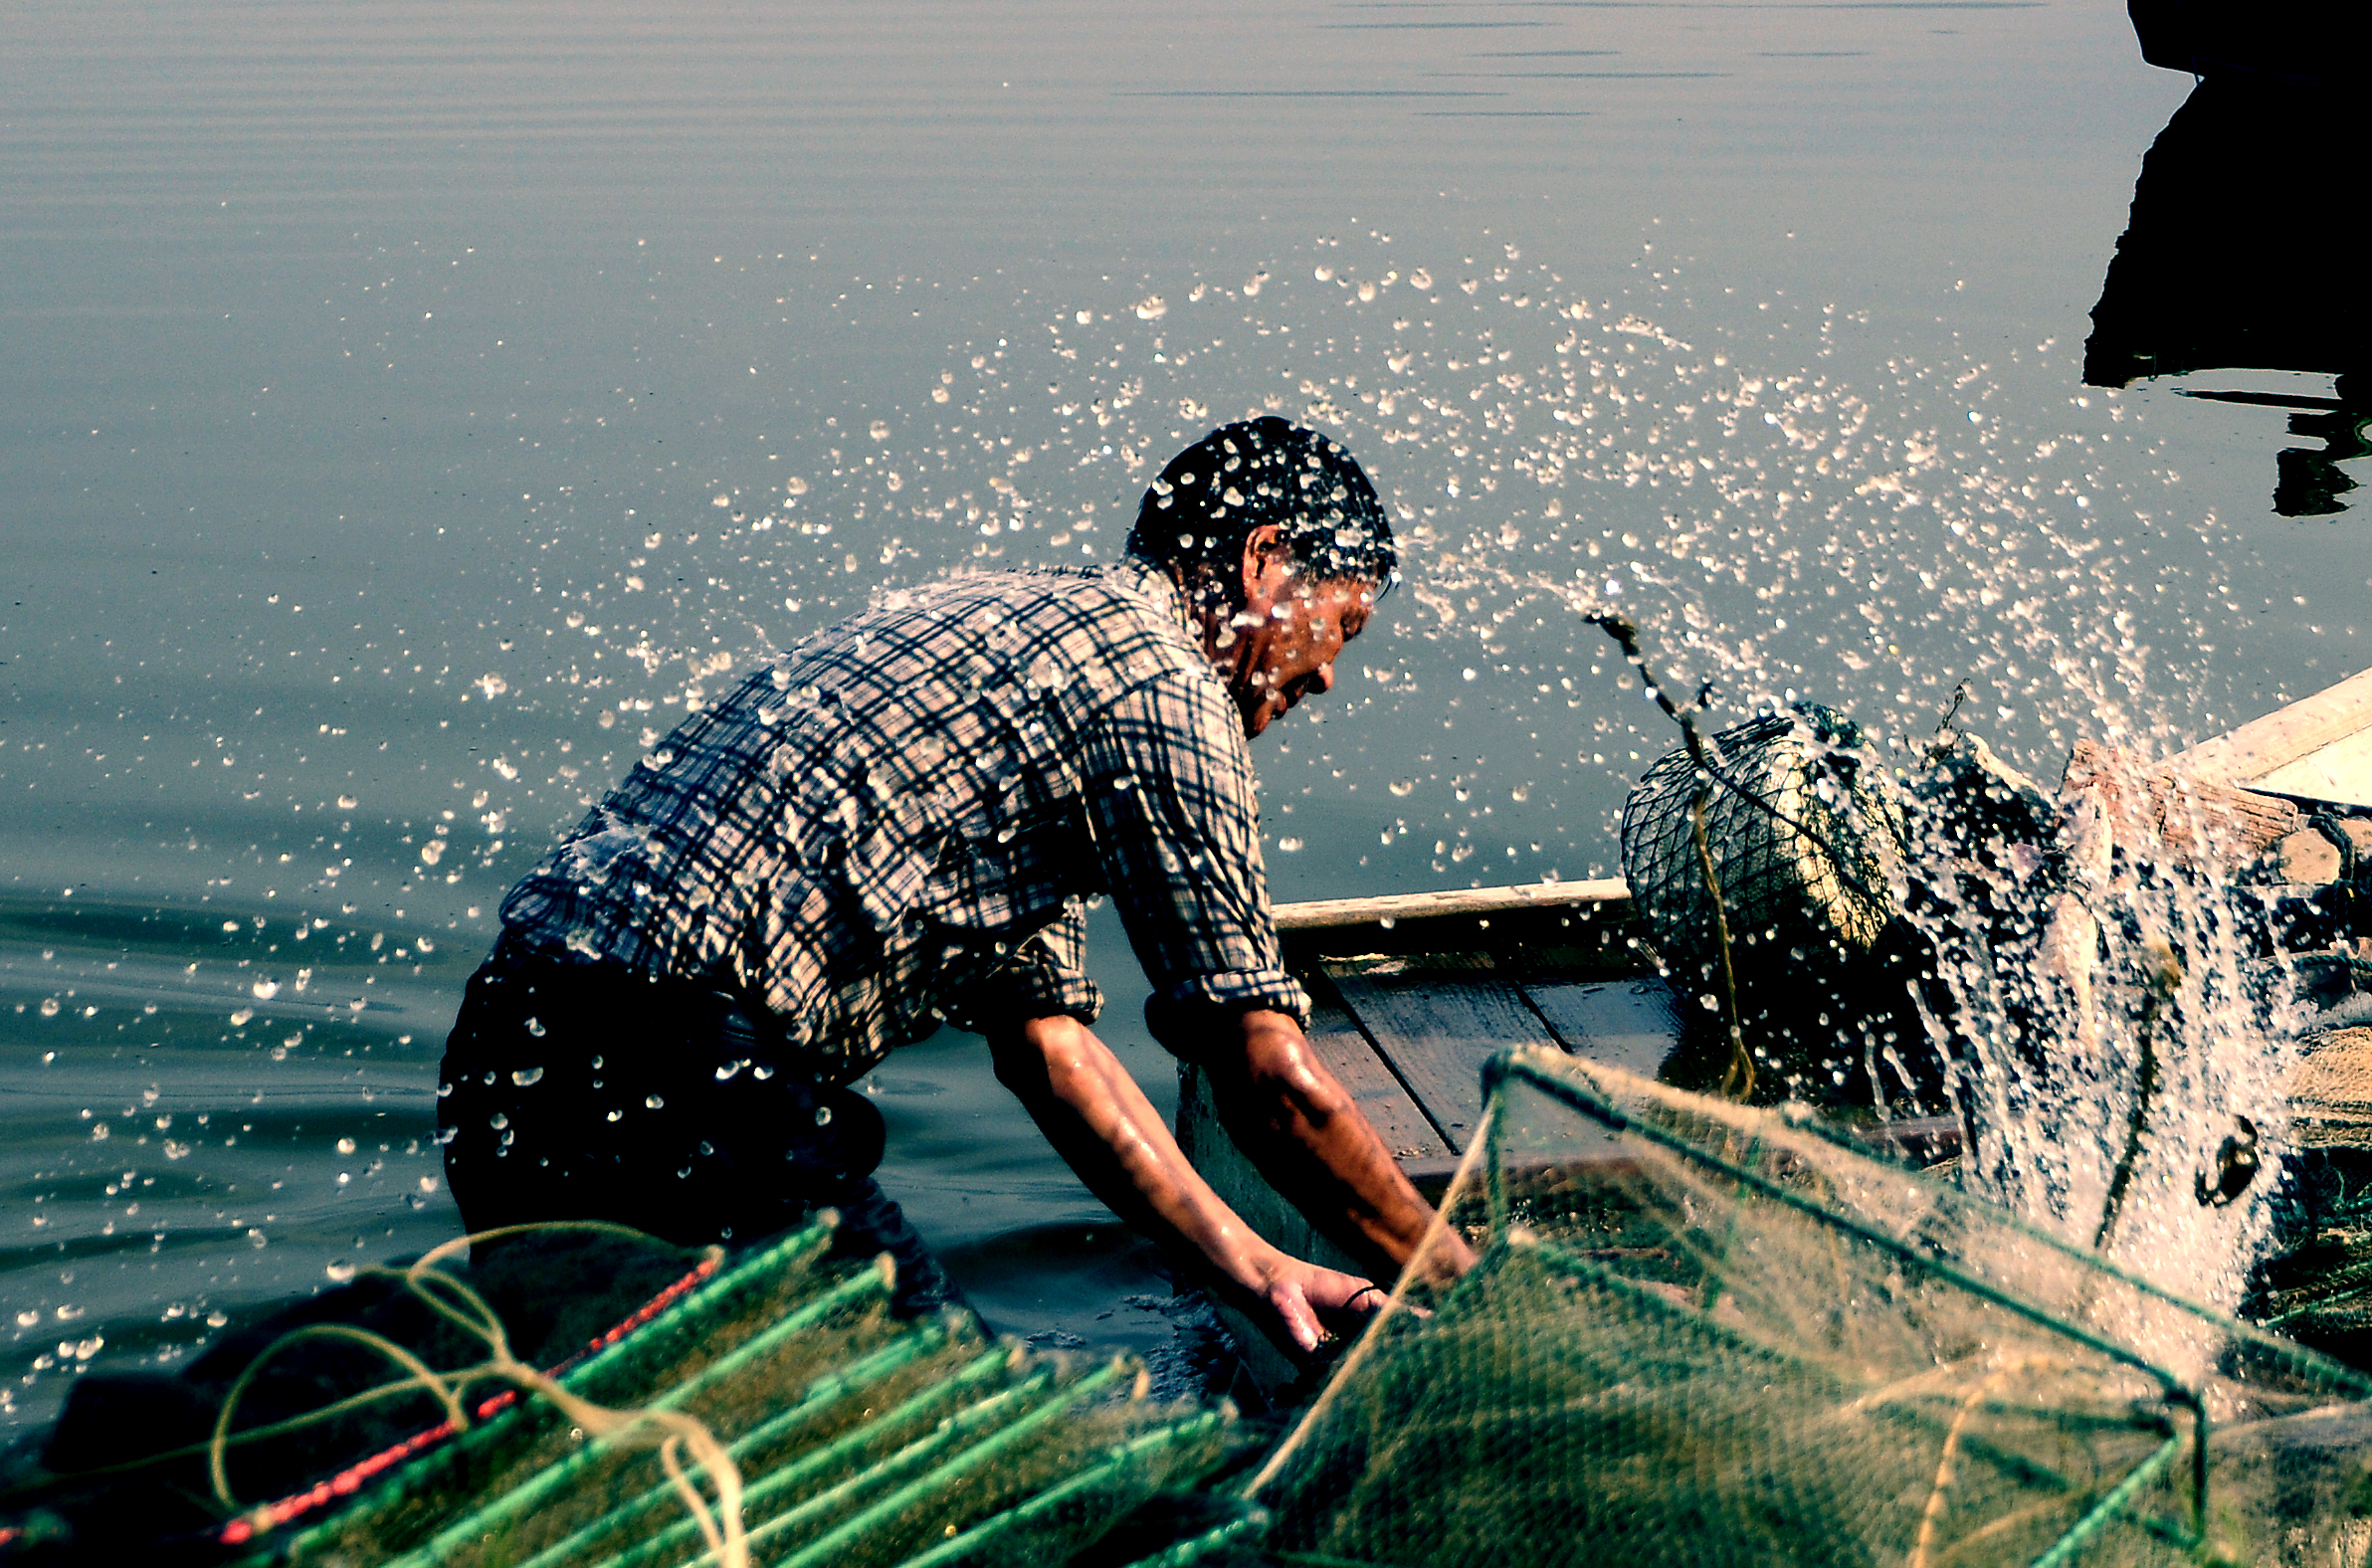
2340	773
1629	1024
1324	912
1435	1025
2264	746
1592	925
2186	814
1381	1097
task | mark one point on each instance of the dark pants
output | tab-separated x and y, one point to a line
579	1090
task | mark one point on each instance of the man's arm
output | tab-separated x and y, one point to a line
1099	1121
1300	1126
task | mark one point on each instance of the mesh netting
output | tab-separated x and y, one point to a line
1801	842
855	1439
1702	1334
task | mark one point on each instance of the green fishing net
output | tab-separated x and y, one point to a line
854	1438
1700	1334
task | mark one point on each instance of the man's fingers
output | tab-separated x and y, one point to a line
1292	1307
1334	1290
1300	1303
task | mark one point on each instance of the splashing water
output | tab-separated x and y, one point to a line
2123	1043
1543	449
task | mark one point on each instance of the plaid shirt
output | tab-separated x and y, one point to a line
896	820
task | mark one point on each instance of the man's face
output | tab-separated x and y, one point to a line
1280	646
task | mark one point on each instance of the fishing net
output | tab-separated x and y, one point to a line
855	1438
1801	838
775	1411
1702	1333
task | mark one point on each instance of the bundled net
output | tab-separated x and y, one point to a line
1801	838
1702	1334
853	1438
773	1412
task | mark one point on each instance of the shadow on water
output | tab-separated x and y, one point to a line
2231	260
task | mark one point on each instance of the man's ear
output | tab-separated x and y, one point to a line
1260	547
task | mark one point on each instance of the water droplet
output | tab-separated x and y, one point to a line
535	1028
241	1016
497	1121
1289	846
616	1115
265	990
653	1102
49	1007
345	1146
339	1271
823	1117
526	1077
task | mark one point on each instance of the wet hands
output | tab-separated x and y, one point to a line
1317	1305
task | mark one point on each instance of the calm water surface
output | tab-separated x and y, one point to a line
411	408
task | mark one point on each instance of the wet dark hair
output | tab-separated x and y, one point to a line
1252	473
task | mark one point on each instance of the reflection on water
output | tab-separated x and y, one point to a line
2309	482
2234	259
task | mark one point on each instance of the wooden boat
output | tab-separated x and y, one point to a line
1414	993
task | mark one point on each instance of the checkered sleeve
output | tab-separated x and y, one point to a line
983	991
1170	800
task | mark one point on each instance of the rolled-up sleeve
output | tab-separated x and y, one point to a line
1171	803
986	989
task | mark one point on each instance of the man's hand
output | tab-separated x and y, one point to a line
1099	1121
1303	1295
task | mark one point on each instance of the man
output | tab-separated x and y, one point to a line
898	821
